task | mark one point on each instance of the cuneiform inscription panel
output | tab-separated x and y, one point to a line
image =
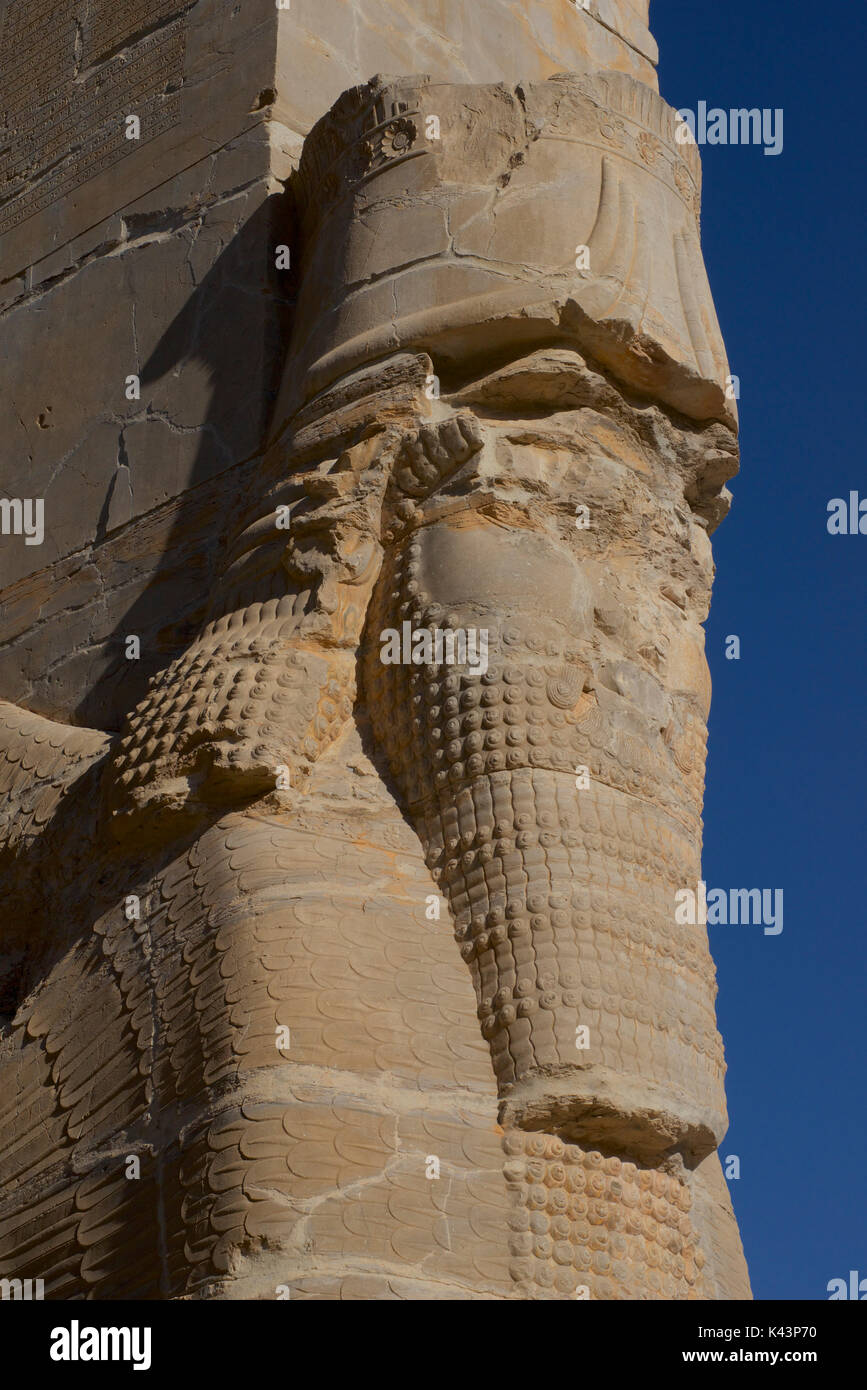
63	121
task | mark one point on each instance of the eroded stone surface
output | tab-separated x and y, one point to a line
373	967
322	50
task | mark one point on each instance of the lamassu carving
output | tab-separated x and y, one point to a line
481	431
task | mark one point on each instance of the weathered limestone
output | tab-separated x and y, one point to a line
322	50
136	253
144	249
374	966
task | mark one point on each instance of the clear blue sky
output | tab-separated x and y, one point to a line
784	242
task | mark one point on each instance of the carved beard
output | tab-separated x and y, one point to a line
598	1008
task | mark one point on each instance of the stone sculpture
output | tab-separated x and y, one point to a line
353	977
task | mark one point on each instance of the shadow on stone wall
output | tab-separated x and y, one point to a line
237	324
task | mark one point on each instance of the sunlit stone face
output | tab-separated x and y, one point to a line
569	520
